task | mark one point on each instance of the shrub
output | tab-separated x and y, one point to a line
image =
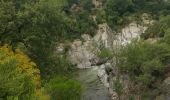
158	29
166	38
105	53
145	62
63	88
19	76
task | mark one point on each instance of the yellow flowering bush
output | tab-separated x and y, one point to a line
23	62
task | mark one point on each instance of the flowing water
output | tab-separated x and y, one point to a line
93	88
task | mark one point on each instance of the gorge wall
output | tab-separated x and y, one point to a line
84	52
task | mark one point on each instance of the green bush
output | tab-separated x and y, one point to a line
145	62
63	88
166	38
16	78
105	53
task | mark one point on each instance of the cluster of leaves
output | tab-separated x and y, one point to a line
63	88
19	77
117	11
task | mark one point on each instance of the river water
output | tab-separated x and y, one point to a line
93	88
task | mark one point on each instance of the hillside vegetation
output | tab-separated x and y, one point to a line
30	31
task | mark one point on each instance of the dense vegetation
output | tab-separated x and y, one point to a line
118	13
30	30
62	88
36	27
19	76
147	61
40	25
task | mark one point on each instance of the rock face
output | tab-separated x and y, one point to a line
83	53
128	33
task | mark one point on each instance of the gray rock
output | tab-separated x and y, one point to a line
84	53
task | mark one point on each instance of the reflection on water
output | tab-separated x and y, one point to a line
93	88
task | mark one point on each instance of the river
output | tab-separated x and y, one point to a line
92	86
82	52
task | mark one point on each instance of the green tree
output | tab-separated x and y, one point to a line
115	12
14	16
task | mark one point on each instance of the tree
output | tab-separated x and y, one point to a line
115	12
19	77
14	16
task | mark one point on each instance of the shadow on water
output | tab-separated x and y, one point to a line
93	88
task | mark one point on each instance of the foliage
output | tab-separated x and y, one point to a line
71	2
19	76
105	53
158	29
145	62
42	95
166	38
63	88
87	5
115	11
39	26
118	11
14	16
62	66
118	87
48	27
